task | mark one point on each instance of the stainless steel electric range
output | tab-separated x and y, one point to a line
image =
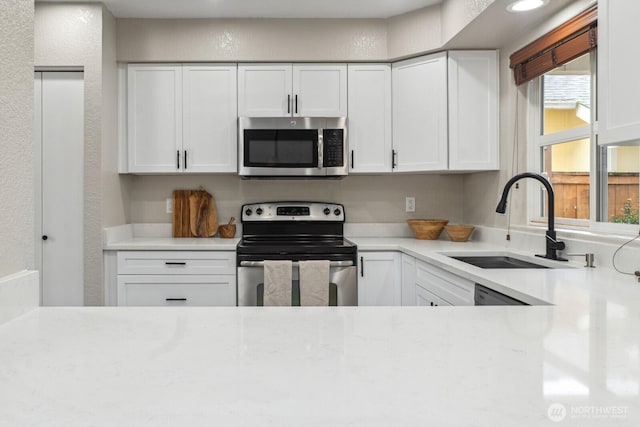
295	231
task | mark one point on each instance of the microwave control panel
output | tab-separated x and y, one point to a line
333	152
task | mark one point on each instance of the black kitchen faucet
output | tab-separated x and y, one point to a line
553	244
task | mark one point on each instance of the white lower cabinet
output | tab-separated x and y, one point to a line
379	279
176	278
425	298
426	284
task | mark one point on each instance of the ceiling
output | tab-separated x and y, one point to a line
260	8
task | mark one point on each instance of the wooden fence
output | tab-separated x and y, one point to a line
572	193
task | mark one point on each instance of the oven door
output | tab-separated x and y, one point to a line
343	283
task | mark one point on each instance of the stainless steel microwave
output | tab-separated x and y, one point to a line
307	147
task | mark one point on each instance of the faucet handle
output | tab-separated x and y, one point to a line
555	244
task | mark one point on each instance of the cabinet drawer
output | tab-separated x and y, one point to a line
194	290
176	262
450	288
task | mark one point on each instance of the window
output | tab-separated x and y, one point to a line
595	187
562	141
619	175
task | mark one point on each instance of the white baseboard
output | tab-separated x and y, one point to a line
19	293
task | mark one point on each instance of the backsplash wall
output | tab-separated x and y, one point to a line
366	198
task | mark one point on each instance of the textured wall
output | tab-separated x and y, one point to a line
115	188
414	32
71	35
251	40
16	139
457	14
366	198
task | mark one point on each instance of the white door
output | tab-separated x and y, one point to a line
420	113
264	90
369	118
210	118
59	148
320	90
379	281
473	110
154	97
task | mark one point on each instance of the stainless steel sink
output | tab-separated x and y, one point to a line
498	261
505	260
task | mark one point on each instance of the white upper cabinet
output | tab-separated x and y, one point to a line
154	106
210	118
473	110
445	112
264	90
369	118
320	90
420	114
285	90
181	118
618	83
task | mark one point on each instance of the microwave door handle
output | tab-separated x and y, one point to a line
320	148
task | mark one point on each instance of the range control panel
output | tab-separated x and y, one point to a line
293	211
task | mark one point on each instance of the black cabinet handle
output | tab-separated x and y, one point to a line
288	104
185	159
394	155
175	263
361	267
45	237
178	159
296	111
351	159
175	299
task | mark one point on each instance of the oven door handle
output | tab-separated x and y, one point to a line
295	263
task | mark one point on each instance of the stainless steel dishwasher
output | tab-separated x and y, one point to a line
487	296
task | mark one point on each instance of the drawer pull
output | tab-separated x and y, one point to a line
175	299
175	263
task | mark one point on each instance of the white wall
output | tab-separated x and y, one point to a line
366	198
16	122
115	187
183	40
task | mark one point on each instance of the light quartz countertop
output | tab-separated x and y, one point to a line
574	361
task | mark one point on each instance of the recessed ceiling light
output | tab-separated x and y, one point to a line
525	5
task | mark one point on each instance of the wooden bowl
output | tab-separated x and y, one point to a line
427	229
227	231
459	233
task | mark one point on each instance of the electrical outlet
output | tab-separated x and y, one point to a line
169	206
410	204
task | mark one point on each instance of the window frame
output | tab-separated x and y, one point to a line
536	141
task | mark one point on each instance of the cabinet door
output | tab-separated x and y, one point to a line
408	280
379	282
195	290
618	83
425	298
420	113
320	90
210	118
264	90
370	118
473	110
154	96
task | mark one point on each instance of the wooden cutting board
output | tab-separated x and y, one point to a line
203	215
181	216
